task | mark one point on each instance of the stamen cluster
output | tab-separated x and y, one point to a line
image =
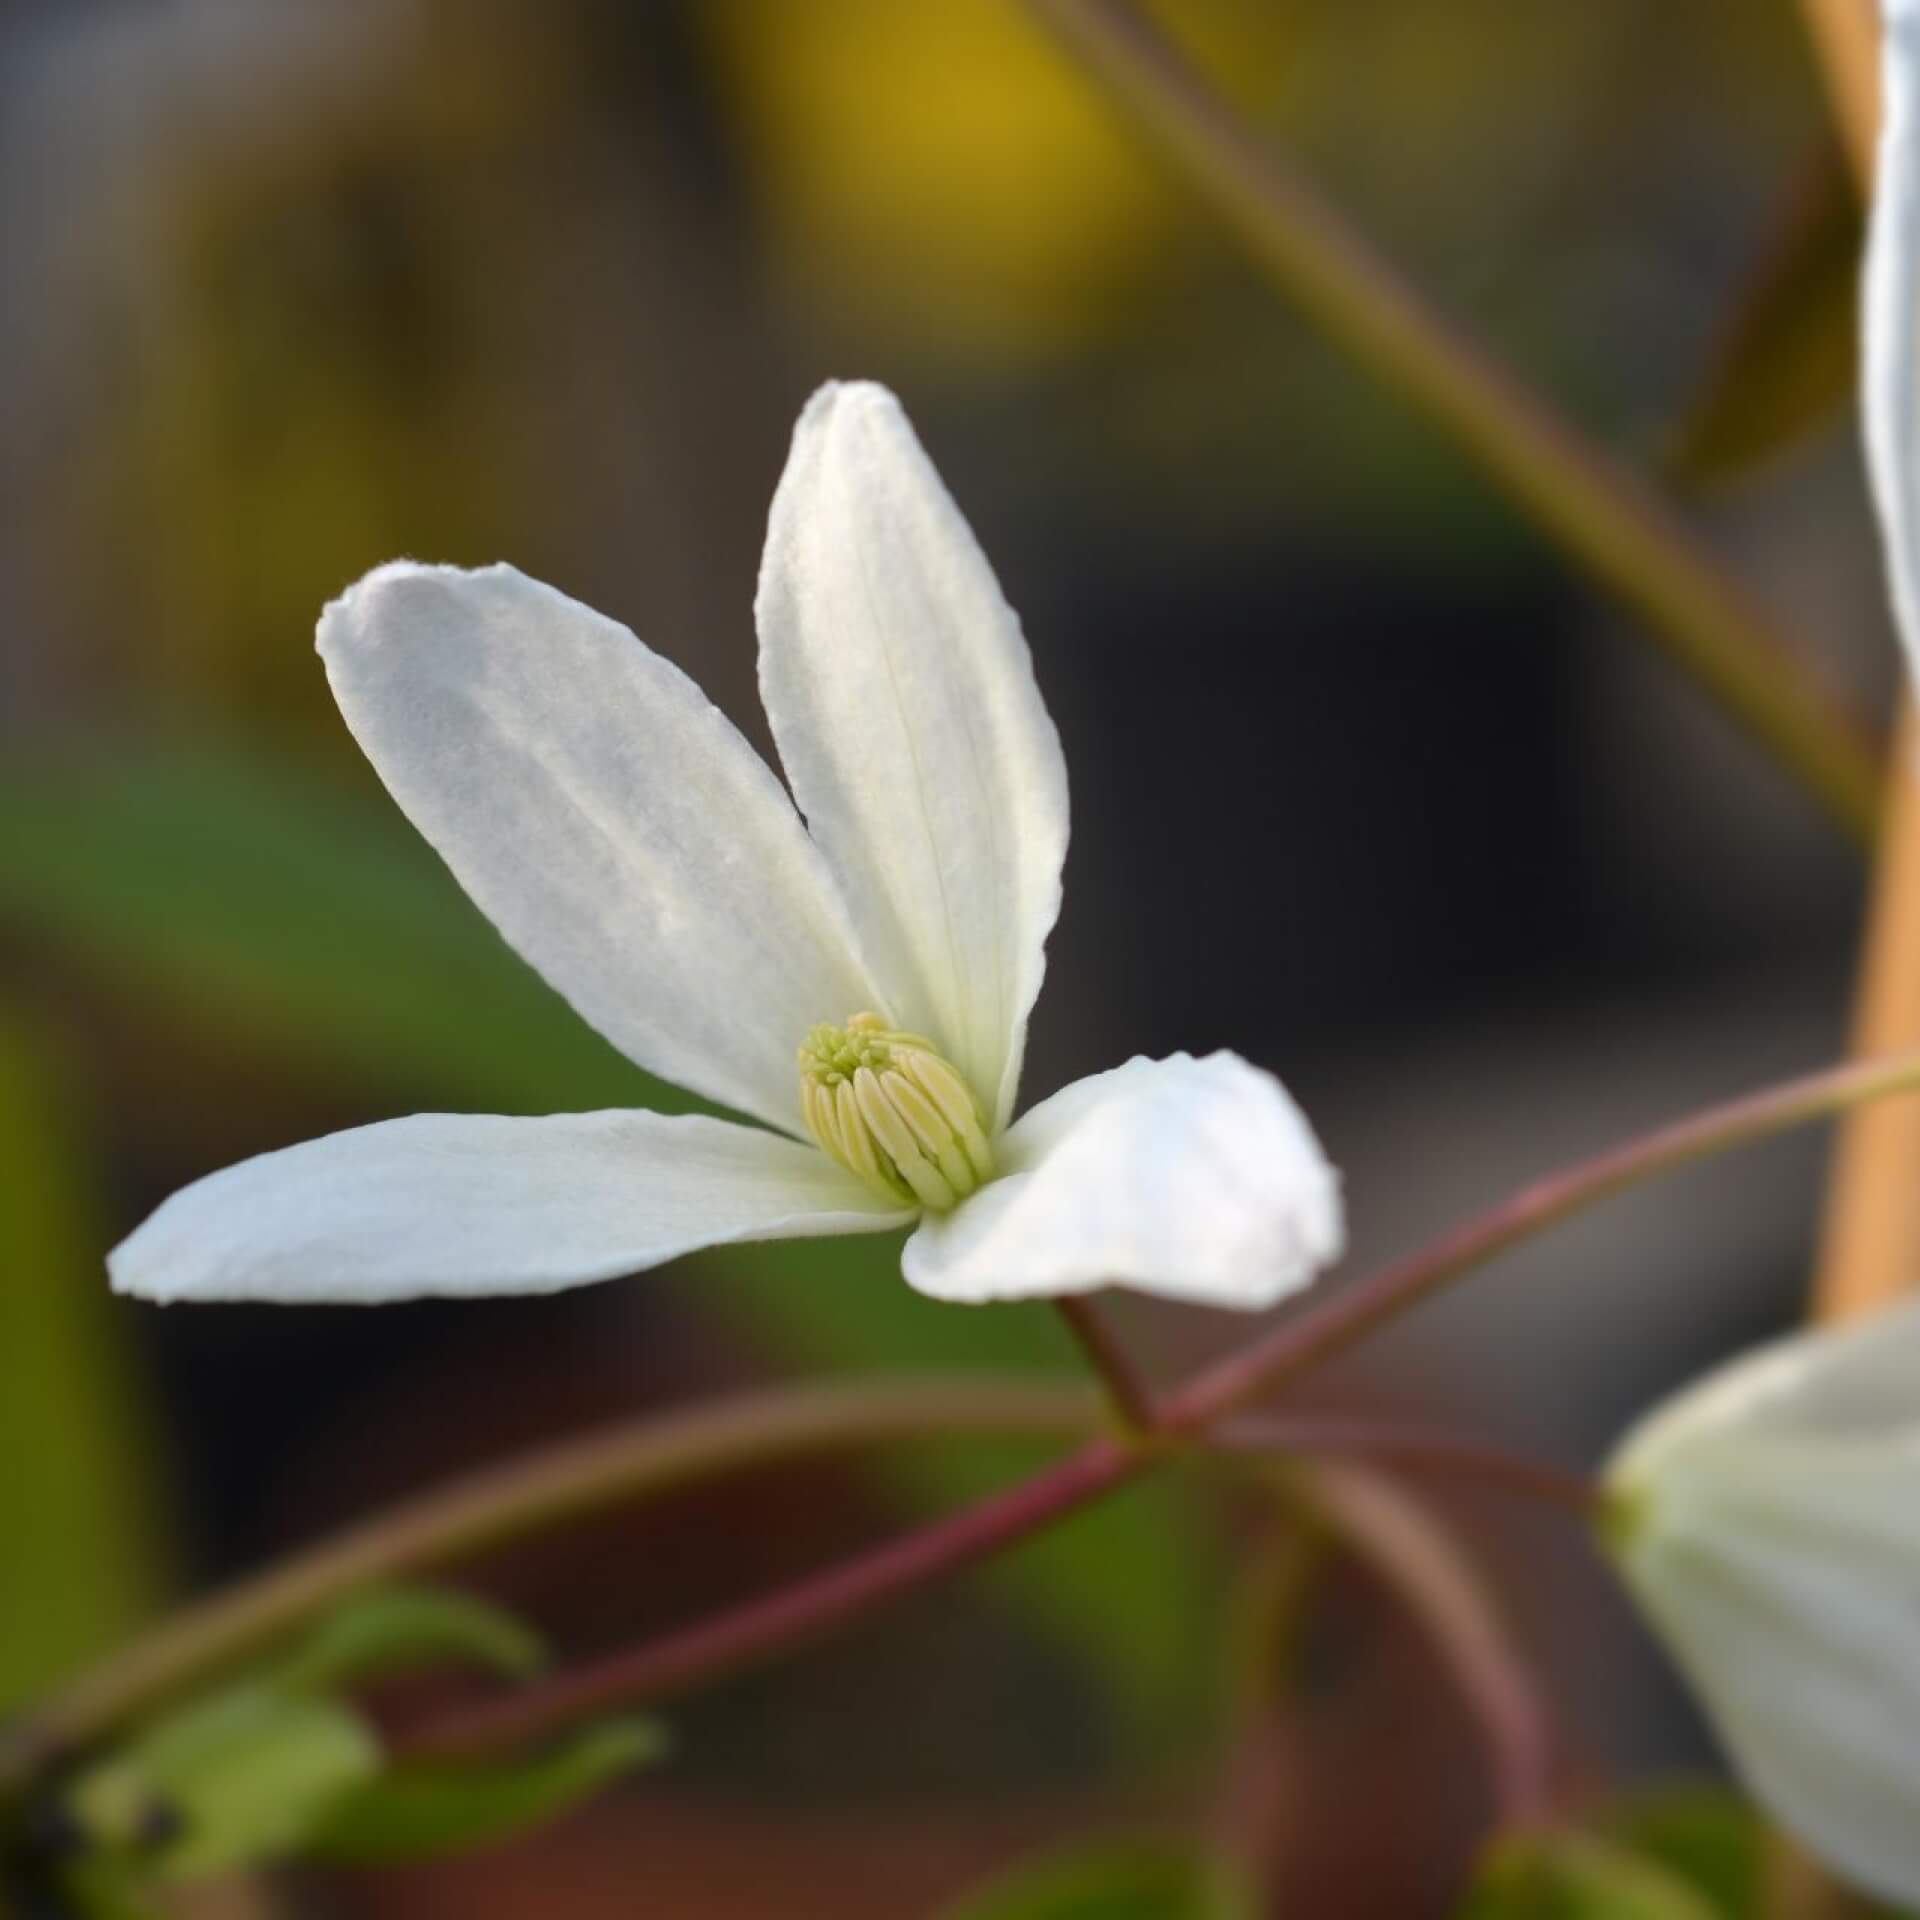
885	1105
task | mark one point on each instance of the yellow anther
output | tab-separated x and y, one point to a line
885	1105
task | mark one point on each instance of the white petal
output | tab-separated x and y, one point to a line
1890	303
1858	1380
1198	1179
458	1204
902	696
1784	1574
608	819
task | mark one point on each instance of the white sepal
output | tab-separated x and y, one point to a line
1769	1524
902	697
461	1204
607	818
1196	1179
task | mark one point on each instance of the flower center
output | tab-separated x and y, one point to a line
891	1110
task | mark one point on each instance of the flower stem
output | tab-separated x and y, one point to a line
495	1506
1600	513
749	1635
792	1616
1127	1391
1422	1563
1326	1328
1413	1451
681	1449
762	1629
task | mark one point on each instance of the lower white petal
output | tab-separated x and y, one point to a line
1784	1575
1861	1378
459	1204
1197	1179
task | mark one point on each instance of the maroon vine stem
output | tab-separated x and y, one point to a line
1421	1562
764	1628
1127	1391
749	1635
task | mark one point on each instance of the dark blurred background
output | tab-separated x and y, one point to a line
1367	784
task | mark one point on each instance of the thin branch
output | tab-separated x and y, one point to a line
762	1629
1412	1450
750	1635
495	1506
1600	513
1126	1389
691	1446
1319	1331
796	1615
1424	1565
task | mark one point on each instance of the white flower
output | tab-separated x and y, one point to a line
859	983
1769	1523
1890	309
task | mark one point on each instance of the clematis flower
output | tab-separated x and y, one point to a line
1768	1520
857	984
1890	312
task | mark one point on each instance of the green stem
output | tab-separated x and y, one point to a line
1603	516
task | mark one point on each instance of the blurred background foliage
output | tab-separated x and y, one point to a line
1366	784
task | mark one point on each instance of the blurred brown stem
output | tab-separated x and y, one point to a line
1870	1249
1870	1244
489	1509
1420	1561
1414	1452
1600	513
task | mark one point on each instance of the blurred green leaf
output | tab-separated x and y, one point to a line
392	1629
1568	1875
416	1811
1786	362
238	1779
102	1890
78	1506
332	941
1113	1881
1721	1845
309	922
1703	1834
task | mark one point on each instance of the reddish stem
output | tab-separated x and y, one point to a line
1132	1399
748	1635
1413	1450
763	1628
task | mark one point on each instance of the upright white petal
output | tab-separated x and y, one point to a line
607	818
1890	301
1198	1179
1771	1530
902	696
460	1204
